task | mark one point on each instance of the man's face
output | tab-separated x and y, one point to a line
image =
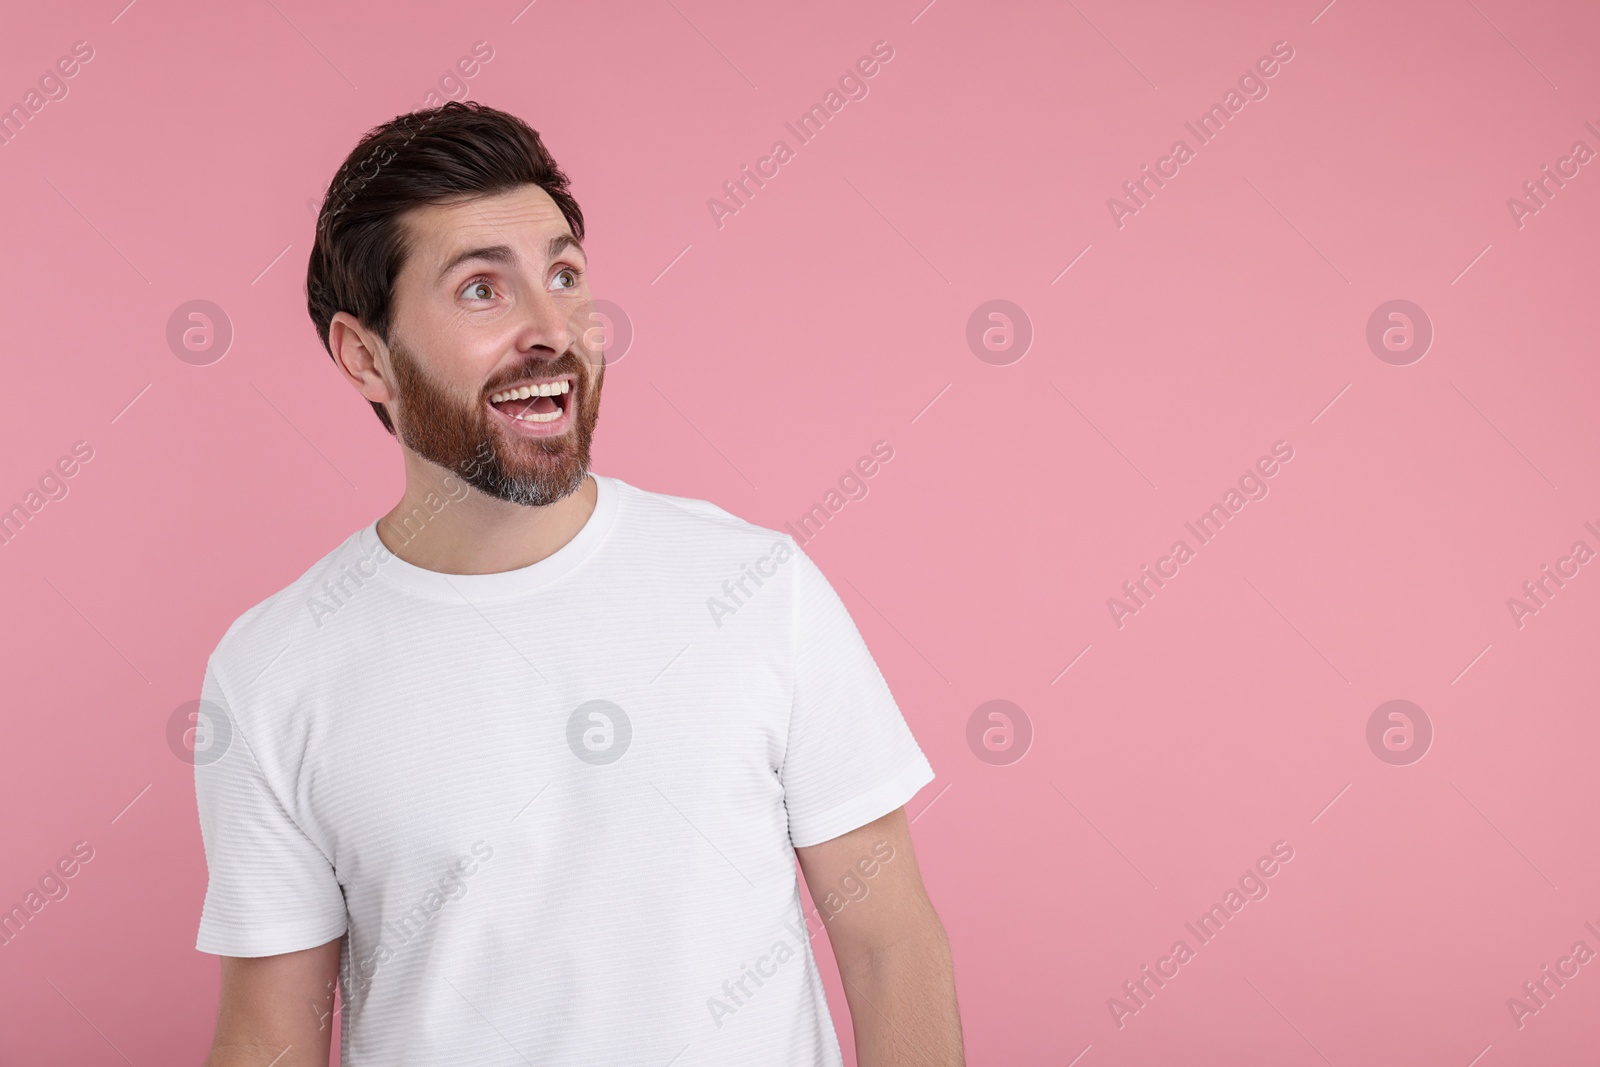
491	310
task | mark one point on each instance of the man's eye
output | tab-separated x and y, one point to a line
571	272
476	284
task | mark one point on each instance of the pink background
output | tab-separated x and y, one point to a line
1228	314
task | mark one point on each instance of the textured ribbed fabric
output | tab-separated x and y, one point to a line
551	811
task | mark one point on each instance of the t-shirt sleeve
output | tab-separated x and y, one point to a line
851	758
270	889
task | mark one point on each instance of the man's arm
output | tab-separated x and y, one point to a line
277	1010
889	944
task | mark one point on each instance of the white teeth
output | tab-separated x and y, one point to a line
533	416
526	391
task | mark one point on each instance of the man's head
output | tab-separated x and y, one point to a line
448	283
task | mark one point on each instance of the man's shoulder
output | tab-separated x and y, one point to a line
272	625
694	522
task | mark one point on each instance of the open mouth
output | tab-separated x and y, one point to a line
534	404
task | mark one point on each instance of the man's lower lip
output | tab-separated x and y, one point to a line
537	429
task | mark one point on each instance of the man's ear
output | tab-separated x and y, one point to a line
361	357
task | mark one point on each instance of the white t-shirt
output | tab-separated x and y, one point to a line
553	810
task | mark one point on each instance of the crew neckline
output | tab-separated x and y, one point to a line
499	584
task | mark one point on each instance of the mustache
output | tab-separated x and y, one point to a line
567	363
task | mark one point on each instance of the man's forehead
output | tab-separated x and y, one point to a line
519	206
525	219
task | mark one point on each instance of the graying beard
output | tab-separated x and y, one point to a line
539	490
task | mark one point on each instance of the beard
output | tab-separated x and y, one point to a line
460	435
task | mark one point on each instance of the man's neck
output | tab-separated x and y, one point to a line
443	524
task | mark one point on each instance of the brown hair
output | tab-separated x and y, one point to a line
432	156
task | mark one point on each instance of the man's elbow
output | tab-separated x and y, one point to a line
921	943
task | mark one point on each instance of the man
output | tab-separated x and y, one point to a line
491	766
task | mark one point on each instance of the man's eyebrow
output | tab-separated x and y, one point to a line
489	253
503	254
559	243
